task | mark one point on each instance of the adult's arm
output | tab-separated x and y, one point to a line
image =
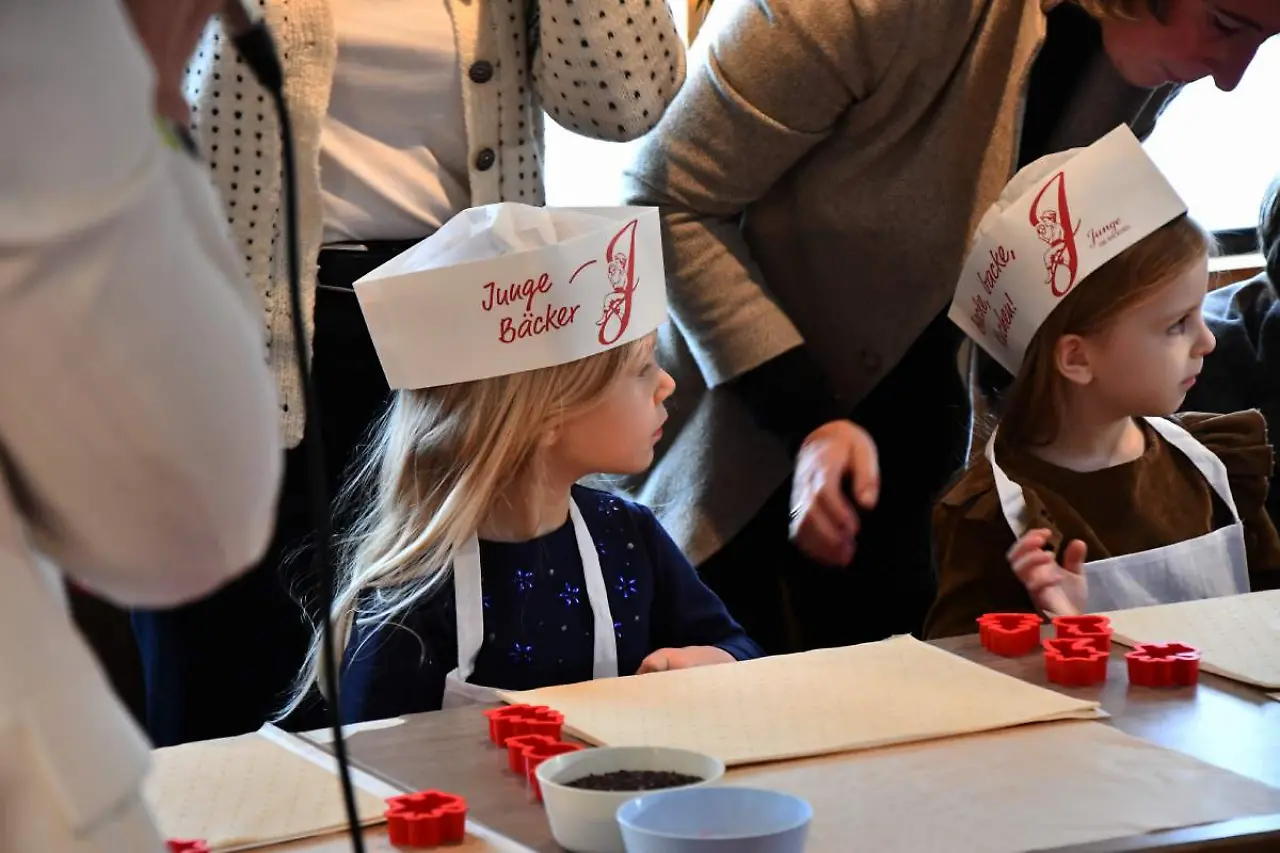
607	69
137	419
776	77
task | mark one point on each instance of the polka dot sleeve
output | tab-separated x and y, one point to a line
607	69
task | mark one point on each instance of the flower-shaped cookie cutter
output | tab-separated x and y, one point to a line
1009	634
426	819
516	746
1163	665
1096	629
536	753
175	845
1075	662
515	720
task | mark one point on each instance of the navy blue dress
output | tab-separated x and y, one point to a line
537	619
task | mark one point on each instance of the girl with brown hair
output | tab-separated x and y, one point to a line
1086	280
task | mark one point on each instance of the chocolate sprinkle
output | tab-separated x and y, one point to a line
633	780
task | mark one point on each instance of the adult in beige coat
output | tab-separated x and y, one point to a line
820	174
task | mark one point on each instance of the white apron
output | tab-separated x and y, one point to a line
469	603
1207	566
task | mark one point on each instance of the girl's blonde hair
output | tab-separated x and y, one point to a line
438	461
1032	409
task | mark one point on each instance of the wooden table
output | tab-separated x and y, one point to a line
1221	722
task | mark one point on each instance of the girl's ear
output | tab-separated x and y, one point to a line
550	438
1071	358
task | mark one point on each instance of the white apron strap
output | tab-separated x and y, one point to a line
1012	502
605	652
1014	506
469	605
468	600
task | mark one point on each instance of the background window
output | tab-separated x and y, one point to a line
1222	149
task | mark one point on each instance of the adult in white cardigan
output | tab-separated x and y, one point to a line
126	335
405	112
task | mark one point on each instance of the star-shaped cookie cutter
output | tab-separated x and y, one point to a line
426	819
1163	665
1074	662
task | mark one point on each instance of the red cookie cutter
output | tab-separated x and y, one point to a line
1009	634
1074	662
535	754
175	845
1095	629
515	720
426	819
516	746
1163	665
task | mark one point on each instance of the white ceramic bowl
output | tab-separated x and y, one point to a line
715	820
585	821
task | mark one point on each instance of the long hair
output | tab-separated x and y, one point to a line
438	461
1032	413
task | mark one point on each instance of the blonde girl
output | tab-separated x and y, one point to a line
476	560
1090	495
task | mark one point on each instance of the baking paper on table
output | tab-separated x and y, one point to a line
1031	788
1238	636
250	791
831	700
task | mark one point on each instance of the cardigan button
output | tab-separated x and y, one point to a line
485	159
481	71
870	359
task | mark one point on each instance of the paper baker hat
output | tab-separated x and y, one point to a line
1058	220
507	288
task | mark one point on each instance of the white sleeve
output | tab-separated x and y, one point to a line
137	415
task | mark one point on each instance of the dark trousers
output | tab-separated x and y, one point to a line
224	665
918	416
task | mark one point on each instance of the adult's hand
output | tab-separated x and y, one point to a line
169	30
824	523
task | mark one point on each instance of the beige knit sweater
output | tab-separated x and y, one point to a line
603	68
819	176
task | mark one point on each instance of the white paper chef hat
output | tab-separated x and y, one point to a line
507	288
1058	220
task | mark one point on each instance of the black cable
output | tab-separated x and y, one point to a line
258	52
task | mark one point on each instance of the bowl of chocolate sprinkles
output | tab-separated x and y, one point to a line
583	790
634	780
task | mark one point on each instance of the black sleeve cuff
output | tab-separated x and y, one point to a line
788	396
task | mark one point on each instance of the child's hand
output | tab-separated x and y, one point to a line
664	659
1059	590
